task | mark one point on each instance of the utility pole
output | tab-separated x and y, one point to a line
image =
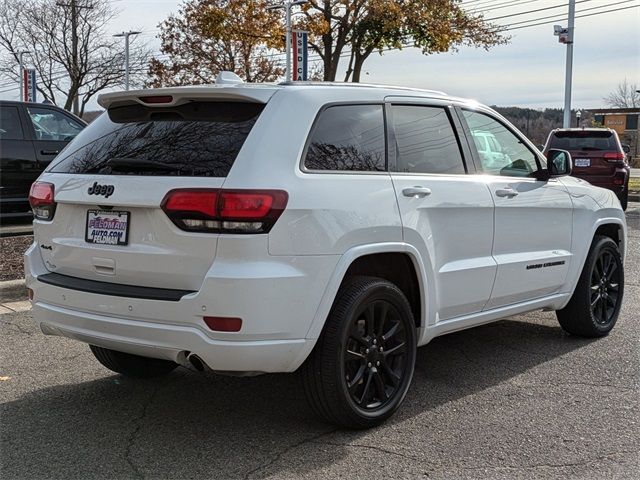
286	5
20	54
569	66
126	54
74	47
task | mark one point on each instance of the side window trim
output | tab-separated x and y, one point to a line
314	126
471	146
455	126
467	157
535	154
390	140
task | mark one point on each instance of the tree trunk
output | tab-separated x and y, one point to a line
357	67
327	42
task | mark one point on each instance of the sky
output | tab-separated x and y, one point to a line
527	72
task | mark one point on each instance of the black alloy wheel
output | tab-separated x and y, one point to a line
375	355
594	307
605	287
362	365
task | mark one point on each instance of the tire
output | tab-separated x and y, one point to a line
624	199
595	305
132	365
362	365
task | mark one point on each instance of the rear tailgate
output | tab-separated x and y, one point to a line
156	253
110	183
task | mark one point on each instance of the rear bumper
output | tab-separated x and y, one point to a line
617	183
277	299
171	342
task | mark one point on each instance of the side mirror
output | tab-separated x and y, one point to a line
559	163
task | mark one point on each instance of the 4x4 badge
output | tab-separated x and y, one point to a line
97	189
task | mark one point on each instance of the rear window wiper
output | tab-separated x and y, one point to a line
135	162
124	163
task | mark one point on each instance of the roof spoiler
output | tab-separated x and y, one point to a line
228	87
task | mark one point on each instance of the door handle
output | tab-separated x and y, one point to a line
49	152
417	192
506	192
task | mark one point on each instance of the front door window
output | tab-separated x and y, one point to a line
503	153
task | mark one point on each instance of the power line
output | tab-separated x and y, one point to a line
565	18
583	10
499	6
533	11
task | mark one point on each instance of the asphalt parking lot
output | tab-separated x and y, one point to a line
515	399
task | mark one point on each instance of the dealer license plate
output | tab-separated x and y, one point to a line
107	227
583	162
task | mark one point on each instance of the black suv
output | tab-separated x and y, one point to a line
31	135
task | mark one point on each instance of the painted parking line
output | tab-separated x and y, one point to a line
12	307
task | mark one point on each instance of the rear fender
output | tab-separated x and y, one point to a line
425	287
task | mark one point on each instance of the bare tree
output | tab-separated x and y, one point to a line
626	95
69	48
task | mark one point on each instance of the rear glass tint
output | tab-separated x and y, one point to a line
348	138
585	140
197	139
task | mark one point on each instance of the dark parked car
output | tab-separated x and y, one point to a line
31	135
598	157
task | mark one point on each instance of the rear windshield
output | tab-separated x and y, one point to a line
583	141
198	139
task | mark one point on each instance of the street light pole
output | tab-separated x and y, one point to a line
126	54
569	66
20	54
287	4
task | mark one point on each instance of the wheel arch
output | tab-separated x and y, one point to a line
612	227
371	260
613	230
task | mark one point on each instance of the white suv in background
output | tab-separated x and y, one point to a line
325	228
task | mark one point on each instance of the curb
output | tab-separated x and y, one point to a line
13	290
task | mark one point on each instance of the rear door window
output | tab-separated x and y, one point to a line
10	127
583	140
425	140
348	138
197	139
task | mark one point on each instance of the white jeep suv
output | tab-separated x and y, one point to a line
325	228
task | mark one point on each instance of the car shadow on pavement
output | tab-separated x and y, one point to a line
194	426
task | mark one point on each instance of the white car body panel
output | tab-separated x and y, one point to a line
531	229
470	249
437	226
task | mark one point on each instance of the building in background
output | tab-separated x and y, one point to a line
625	121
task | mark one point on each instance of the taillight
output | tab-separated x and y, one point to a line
614	157
41	199
225	211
